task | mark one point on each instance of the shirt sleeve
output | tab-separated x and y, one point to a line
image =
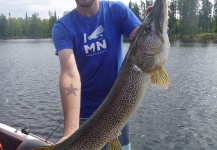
61	37
127	18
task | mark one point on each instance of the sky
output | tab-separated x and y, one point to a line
18	8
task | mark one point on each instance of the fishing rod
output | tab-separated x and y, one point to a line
54	130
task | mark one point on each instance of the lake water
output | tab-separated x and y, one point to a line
184	117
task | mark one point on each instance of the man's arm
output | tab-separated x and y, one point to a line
70	91
132	34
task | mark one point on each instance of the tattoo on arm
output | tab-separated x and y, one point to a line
71	90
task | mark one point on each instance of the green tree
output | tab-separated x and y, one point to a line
143	7
215	16
205	16
25	26
136	10
52	20
3	26
34	26
45	28
17	27
172	20
188	10
130	5
10	26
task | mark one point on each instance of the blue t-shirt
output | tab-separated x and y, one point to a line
97	45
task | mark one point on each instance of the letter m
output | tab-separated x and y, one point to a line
89	48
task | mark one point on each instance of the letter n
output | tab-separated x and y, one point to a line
99	45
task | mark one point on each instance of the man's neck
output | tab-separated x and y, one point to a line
88	11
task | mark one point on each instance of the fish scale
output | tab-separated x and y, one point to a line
143	63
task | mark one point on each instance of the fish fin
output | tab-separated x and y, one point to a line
114	144
160	79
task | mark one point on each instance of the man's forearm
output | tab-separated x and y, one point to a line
70	89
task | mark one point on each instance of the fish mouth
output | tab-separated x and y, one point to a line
158	17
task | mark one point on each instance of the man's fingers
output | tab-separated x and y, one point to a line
169	12
148	9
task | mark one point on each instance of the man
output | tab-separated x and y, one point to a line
88	42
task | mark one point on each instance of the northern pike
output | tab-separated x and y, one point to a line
143	63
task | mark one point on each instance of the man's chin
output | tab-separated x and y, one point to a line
85	4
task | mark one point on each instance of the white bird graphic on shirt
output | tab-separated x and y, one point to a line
97	33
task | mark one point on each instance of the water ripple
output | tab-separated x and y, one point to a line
184	117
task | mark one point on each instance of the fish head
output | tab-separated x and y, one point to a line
151	40
157	19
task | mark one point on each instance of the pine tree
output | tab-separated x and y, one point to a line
172	20
215	16
3	26
188	10
205	16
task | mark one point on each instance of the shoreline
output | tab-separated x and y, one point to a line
201	36
195	37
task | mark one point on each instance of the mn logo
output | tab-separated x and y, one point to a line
99	43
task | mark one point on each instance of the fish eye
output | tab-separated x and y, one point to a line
147	28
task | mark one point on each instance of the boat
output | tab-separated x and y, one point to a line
19	139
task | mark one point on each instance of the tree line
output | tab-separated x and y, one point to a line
28	27
189	17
